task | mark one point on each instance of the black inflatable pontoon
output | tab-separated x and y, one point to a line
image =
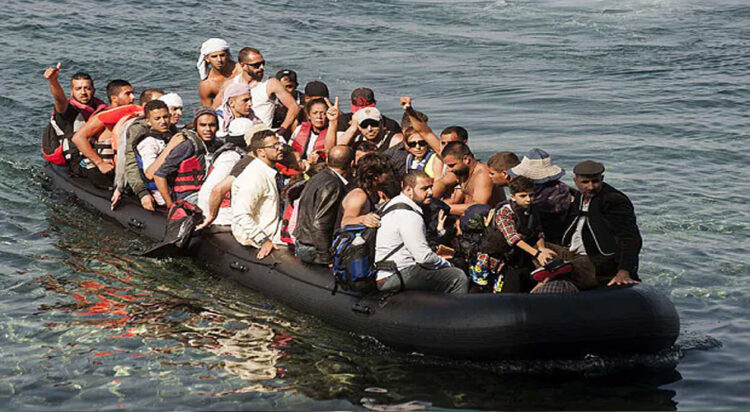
617	320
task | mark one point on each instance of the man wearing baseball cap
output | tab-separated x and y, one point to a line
363	97
602	225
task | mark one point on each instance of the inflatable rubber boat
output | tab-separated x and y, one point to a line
624	320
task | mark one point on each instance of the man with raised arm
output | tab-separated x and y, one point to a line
265	91
216	67
69	115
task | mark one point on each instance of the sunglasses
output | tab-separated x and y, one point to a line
369	123
420	143
277	146
257	65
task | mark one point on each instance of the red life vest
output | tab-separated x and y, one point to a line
300	141
192	171
57	144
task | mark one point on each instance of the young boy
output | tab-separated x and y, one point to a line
515	245
149	146
499	164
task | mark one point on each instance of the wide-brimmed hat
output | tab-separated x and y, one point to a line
537	166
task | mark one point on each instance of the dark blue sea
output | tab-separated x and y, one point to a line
657	90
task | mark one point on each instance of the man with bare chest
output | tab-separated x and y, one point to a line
216	67
468	178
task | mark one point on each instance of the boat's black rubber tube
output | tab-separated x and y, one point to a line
617	320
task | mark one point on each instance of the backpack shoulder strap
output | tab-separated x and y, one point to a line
398	206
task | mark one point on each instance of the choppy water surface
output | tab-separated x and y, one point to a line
657	90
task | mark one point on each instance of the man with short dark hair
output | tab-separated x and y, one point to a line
183	170
602	225
288	79
265	91
98	164
256	219
69	116
406	261
498	165
319	206
473	177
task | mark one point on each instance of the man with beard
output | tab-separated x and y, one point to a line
256	220
265	91
473	176
216	67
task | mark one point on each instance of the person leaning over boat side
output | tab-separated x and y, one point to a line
602	225
473	176
70	114
187	164
319	206
98	164
265	91
256	220
215	67
401	239
376	182
219	212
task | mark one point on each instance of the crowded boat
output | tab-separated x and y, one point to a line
385	205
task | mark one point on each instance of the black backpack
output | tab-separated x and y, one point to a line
353	255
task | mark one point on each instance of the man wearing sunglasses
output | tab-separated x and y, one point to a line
265	91
255	196
602	225
367	125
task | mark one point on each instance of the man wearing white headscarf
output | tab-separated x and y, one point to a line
215	66
237	103
174	102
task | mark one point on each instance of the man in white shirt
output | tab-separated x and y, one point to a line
256	220
402	240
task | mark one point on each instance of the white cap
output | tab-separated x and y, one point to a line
172	100
239	126
367	113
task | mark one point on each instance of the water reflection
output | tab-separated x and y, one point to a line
198	336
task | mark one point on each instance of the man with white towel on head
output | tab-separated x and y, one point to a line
215	66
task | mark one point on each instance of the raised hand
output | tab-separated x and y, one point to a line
405	102
333	111
52	72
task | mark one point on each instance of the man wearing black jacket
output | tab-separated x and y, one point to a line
319	207
602	225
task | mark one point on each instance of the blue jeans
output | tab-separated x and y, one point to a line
447	280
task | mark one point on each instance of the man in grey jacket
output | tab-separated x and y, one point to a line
402	240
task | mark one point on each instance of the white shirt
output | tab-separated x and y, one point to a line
576	242
149	148
255	205
407	227
263	106
222	166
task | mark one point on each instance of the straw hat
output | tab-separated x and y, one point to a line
537	166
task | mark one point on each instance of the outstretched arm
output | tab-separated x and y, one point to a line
82	138
61	101
420	126
332	114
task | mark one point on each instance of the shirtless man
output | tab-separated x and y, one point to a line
264	91
216	67
473	177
